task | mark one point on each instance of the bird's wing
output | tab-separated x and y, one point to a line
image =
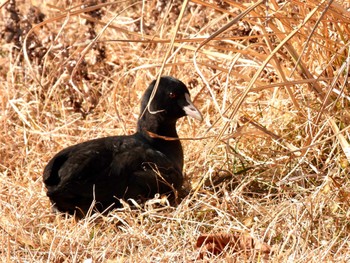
121	165
146	171
78	162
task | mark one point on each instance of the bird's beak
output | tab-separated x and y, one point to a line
191	110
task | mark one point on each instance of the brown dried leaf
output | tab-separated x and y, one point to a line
216	243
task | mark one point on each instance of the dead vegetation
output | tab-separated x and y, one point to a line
269	162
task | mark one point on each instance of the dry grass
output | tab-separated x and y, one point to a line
272	155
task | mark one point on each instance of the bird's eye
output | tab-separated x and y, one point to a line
172	95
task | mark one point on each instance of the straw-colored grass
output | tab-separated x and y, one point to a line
270	160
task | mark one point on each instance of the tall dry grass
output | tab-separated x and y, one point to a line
270	160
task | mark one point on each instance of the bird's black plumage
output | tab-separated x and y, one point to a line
100	172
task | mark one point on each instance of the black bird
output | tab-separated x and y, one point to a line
104	170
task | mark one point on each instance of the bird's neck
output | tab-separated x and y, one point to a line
155	124
162	136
